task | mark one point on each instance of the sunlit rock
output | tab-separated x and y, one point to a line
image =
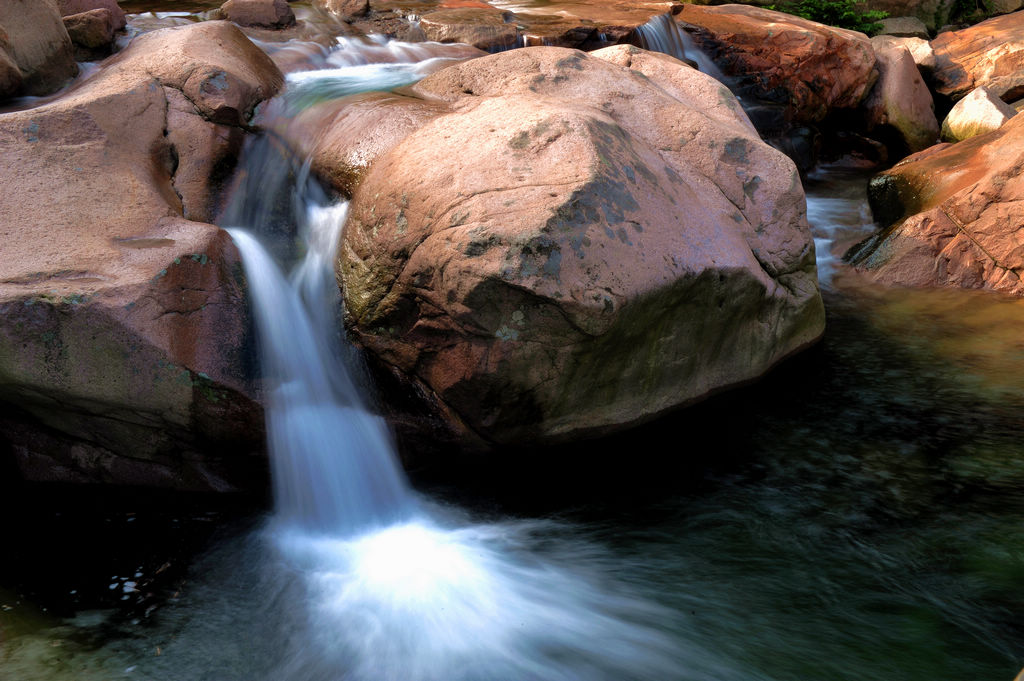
573	245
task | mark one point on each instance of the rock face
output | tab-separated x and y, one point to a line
955	212
576	243
900	101
934	14
904	27
989	54
258	13
124	337
809	68
976	114
34	41
485	29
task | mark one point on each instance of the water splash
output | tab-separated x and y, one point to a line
663	34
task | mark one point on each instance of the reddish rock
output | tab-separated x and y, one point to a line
486	29
91	32
577	243
71	7
810	68
38	44
900	103
10	75
955	212
258	13
989	54
346	10
124	341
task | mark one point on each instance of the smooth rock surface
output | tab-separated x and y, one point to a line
124	340
955	212
976	114
258	13
900	100
904	27
576	243
920	50
809	68
989	54
346	10
485	29
34	40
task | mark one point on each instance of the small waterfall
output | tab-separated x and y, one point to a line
333	462
663	34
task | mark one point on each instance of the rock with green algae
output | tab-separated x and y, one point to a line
573	243
123	340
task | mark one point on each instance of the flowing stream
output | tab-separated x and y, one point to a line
856	515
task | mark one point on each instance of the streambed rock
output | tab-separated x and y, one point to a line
954	213
989	54
900	105
123	340
577	243
35	51
808	68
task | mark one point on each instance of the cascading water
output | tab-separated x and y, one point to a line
663	34
393	591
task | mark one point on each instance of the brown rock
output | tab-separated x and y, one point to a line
259	13
575	245
904	27
811	67
124	341
10	75
486	29
900	100
920	50
38	44
71	7
956	212
91	30
346	10
989	54
976	114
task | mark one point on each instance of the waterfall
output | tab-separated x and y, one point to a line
333	462
663	34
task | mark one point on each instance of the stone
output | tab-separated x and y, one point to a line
920	50
989	54
10	75
577	243
900	101
485	29
1004	6
124	340
952	214
258	13
346	10
38	44
92	30
71	7
904	27
809	68
932	13
976	114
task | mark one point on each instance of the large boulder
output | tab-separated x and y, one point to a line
934	14
953	216
809	68
900	104
33	39
258	13
977	113
123	341
487	29
575	243
989	54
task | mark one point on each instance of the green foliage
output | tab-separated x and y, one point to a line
841	13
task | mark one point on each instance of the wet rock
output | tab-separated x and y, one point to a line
904	27
124	342
576	243
258	13
900	102
486	29
33	38
989	54
811	68
955	213
976	114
